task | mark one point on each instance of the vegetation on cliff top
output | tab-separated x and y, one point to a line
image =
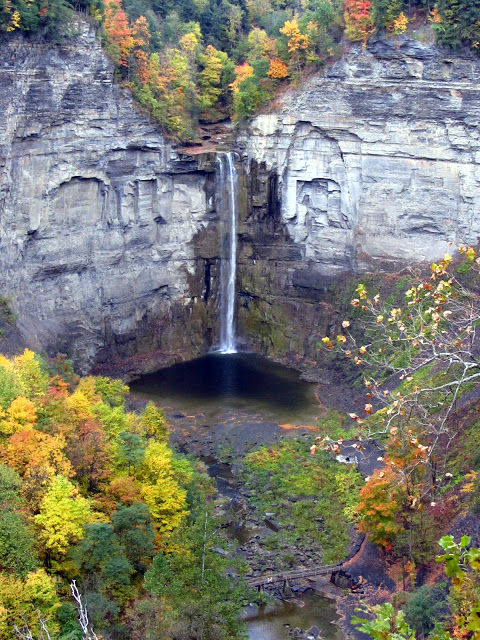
204	60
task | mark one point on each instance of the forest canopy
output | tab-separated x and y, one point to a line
199	61
93	493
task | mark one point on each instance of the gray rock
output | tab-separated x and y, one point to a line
372	165
103	226
273	524
108	239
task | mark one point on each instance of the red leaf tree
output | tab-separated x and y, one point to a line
359	24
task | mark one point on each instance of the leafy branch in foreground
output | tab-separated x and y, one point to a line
462	566
421	356
429	349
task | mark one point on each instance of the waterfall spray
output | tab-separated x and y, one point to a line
228	192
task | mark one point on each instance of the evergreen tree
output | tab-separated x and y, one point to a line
134	529
457	23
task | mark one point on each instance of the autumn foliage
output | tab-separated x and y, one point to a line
379	506
119	32
359	24
179	58
278	69
242	72
297	41
76	467
419	351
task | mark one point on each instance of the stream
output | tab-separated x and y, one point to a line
276	622
227	390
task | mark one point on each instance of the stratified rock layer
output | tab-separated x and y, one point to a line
104	242
108	236
374	164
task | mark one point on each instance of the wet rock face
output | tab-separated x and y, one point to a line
104	229
376	164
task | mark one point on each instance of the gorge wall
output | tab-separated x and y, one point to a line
109	235
372	165
104	242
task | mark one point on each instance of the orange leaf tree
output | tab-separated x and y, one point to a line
380	502
141	40
278	69
359	24
119	32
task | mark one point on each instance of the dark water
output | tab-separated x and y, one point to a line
274	623
239	381
217	387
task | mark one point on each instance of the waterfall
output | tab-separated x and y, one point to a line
227	189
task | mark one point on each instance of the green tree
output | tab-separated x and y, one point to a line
30	371
111	391
192	581
54	18
210	77
63	514
134	528
384	12
10	483
130	451
250	95
10	387
113	419
425	608
457	23
17	550
101	555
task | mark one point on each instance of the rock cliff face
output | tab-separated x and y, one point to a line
108	236
106	239
372	165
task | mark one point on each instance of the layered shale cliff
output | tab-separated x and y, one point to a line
109	236
374	164
104	248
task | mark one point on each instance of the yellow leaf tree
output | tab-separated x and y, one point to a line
160	487
298	42
63	514
20	600
278	69
21	413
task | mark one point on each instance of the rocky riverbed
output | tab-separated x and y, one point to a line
221	434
